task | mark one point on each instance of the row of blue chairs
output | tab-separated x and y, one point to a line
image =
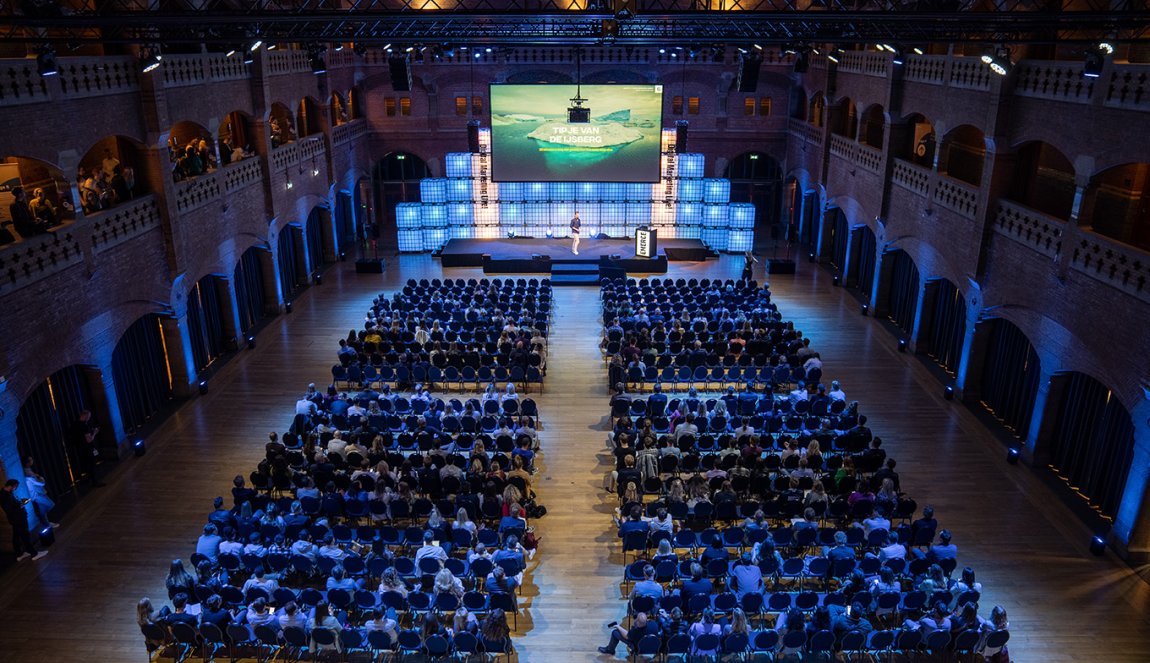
400	374
937	645
712	377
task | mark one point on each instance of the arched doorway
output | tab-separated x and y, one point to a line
901	289
100	188
395	179
943	328
48	193
963	154
141	372
1043	179
1091	440
321	249
1118	204
209	321
253	279
864	247
837	238
291	261
757	178
1010	374
46	419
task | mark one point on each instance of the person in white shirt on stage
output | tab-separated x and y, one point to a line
575	224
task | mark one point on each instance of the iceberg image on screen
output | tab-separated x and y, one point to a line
604	133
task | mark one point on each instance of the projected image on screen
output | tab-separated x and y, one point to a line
565	133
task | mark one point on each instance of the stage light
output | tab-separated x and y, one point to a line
899	56
287	307
150	59
1098	546
273	46
1012	455
902	345
998	60
948	393
833	56
487	50
138	448
987	57
810	257
917	50
315	59
662	51
338	48
256	43
478	55
1092	68
758	47
342	256
251	342
1106	47
249	57
46	61
231	52
203	387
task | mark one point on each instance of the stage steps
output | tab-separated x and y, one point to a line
575	271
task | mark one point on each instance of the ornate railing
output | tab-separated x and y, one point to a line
197	192
1112	262
925	69
288	61
911	176
1128	86
285	155
37	257
183	70
122	223
955	196
349	131
864	62
1039	231
1060	81
869	158
240	174
21	84
969	73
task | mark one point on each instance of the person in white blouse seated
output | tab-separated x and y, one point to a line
304	547
337	445
490	394
745	430
480	551
259	615
464	522
837	393
892	550
322	618
260	581
877	521
509	393
378	621
430	548
330	550
799	393
229	545
291	617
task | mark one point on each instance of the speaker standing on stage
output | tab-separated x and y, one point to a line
748	265
575	223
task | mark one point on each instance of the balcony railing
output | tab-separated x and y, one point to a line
869	158
196	192
912	176
37	257
1128	86
349	131
240	174
1112	262
1039	231
1059	81
184	70
955	196
77	78
863	62
120	224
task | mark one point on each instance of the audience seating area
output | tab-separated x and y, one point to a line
771	522
452	332
697	333
425	527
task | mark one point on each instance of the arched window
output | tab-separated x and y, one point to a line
141	372
944	324
47	192
818	106
191	150
902	290
281	125
757	178
100	188
963	154
338	110
1043	179
844	119
916	141
1118	204
237	137
309	118
872	125
1010	373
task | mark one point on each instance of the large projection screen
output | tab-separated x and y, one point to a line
561	133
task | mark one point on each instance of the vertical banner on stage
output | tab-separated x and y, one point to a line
646	242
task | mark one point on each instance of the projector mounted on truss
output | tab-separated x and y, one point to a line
576	112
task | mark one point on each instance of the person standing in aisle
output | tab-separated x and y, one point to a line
18	518
83	438
575	224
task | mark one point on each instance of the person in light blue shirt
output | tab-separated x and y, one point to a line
208	544
647	586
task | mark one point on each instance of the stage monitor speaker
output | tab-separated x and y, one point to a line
473	136
400	73
368	266
749	74
681	136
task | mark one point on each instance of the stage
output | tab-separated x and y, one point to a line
523	255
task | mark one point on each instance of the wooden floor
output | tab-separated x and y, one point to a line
77	604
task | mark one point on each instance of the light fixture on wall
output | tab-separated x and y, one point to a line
314	168
1096	59
998	59
287	180
315	59
150	59
46	61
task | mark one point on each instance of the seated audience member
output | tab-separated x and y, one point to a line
386	622
746	577
391	582
498	582
260	580
641	626
208	544
944	549
322	618
430	549
705	626
179	613
698	583
291	617
648	586
179	581
853	618
214	613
